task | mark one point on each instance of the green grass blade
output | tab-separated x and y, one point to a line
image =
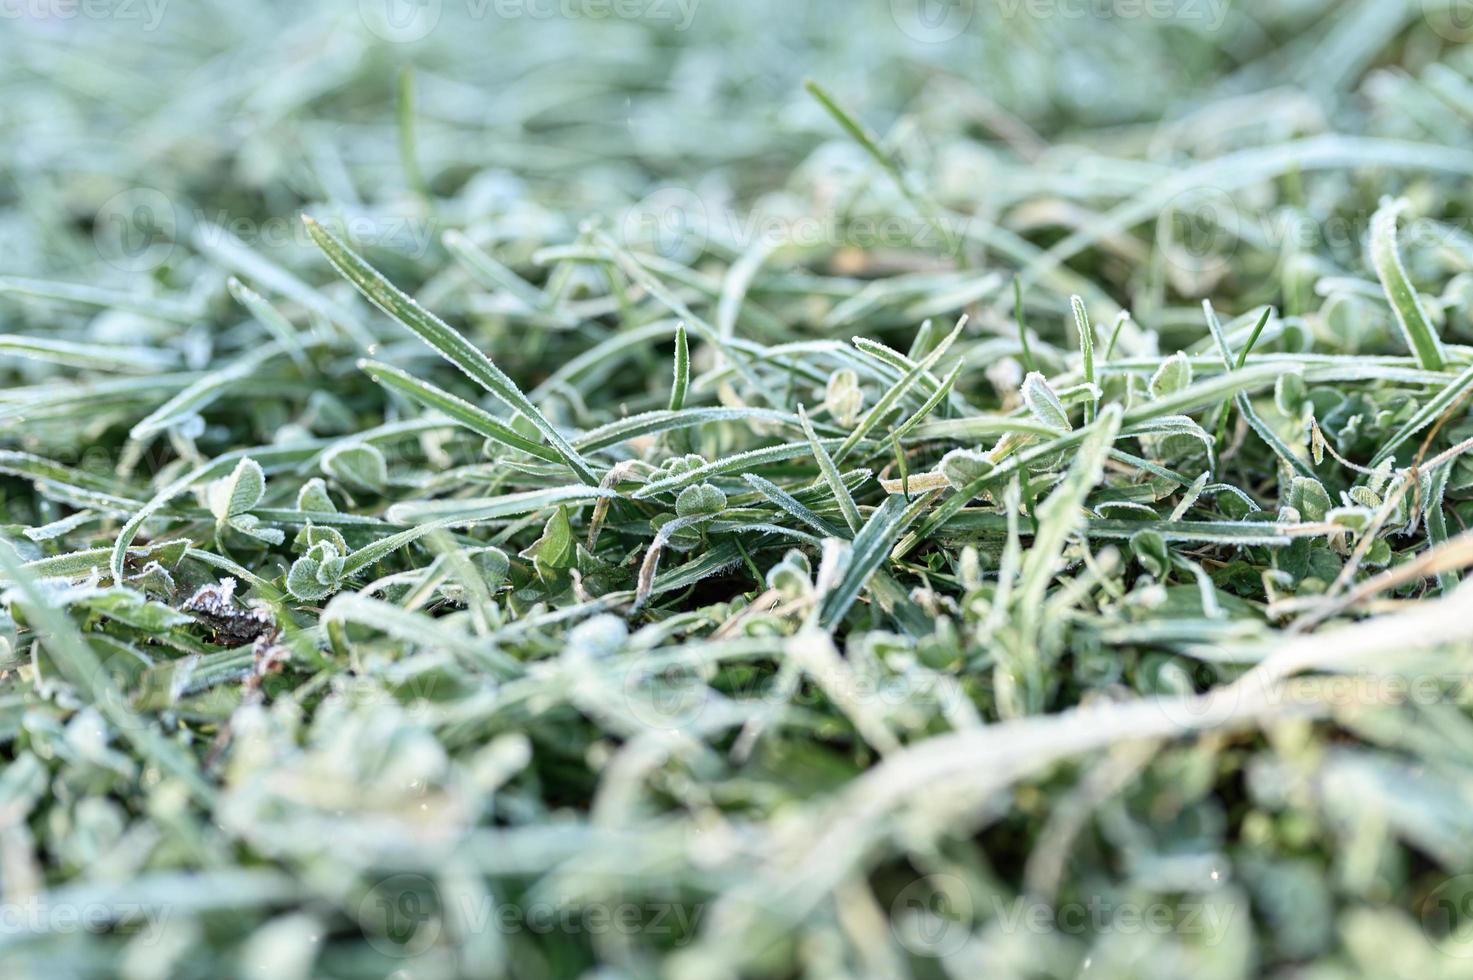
443	340
681	384
868	550
1405	304
462	412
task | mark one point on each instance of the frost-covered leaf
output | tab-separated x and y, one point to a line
1043	403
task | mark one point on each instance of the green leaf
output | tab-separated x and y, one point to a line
554	551
1150	549
462	512
203	393
1086	348
842	396
1430	410
314	498
215	467
277	325
831	474
964	466
315	575
493	275
358	465
1044	404
238	492
1308	496
1062	512
92	356
135	609
703	498
1174	375
892	395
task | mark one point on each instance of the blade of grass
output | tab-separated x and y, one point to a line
681	384
443	340
1405	304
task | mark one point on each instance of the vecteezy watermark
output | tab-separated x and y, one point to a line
148	14
667	699
407	21
404	915
139	230
675	697
677	224
403	233
940	21
1198	231
1312	694
936	915
1451	19
1447	917
933	21
42	915
1208	14
135	230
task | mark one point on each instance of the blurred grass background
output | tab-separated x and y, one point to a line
146	144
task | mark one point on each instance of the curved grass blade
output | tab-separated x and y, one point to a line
1086	350
1425	415
493	275
104	299
460	512
202	393
728	464
664	420
444	340
792	505
268	456
472	417
91	356
892	396
221	246
867	552
270	318
831	474
1405	304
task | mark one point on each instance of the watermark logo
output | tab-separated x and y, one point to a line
1450	19
933	21
134	230
138	230
677	224
1447	917
148	14
400	21
672	221
1198	232
665	699
39	915
936	916
1189	711
408	21
933	916
1206	14
113	680
401	915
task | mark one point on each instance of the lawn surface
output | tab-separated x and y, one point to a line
695	490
